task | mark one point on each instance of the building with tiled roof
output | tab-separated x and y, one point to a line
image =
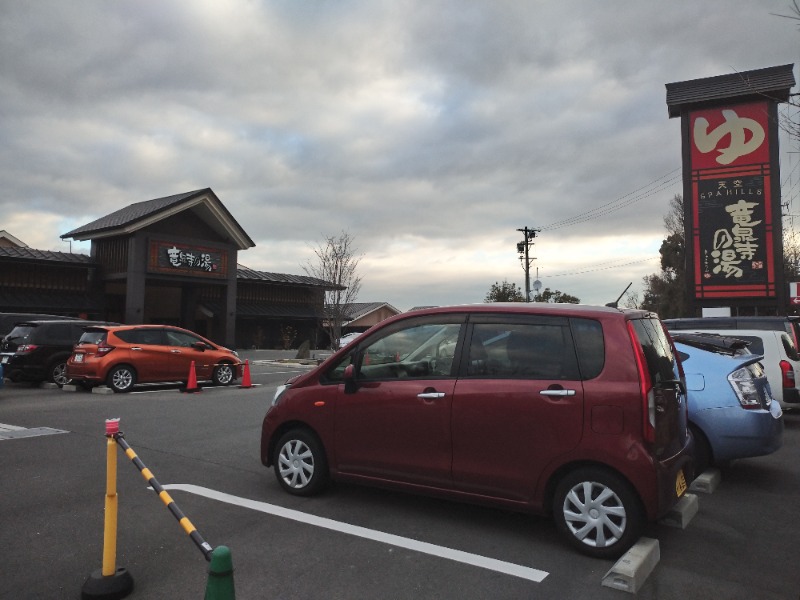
360	316
167	260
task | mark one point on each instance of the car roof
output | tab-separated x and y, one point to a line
739	332
38	322
774	322
117	326
548	308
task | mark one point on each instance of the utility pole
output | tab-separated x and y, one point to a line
523	248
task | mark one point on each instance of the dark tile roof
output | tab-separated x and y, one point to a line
128	217
356	310
131	214
243	273
772	82
46	256
278	311
253	275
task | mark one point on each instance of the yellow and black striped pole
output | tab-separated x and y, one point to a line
190	529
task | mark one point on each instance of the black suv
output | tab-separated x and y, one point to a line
9	319
38	350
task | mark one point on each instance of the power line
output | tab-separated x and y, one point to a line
651	188
633	262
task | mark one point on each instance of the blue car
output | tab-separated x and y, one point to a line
732	413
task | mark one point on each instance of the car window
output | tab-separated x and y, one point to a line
789	347
58	333
20	333
657	349
179	338
591	346
521	351
336	373
756	343
145	337
793	328
421	351
92	337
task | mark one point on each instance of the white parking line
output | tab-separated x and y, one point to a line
12	432
370	534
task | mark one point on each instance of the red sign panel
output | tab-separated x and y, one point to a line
729	136
732	213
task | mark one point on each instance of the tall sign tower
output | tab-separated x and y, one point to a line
731	189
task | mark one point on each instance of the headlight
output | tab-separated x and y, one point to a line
279	392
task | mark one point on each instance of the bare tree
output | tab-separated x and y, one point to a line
336	262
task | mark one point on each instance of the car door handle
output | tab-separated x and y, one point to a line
175	351
136	348
559	393
431	395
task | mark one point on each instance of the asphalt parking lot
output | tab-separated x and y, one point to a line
351	542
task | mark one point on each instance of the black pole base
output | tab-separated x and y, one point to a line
111	587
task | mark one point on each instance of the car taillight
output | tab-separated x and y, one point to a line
646	389
744	385
787	374
27	348
103	348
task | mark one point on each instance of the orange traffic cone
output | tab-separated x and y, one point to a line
246	383
191	384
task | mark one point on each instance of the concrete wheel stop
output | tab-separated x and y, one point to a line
707	482
632	569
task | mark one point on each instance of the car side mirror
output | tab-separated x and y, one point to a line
349	377
199	346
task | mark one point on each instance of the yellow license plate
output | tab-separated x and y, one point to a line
680	484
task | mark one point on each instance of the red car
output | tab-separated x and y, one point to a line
561	409
125	355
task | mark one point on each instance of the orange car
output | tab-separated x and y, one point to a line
122	356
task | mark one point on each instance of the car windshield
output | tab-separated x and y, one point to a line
92	337
21	332
789	347
719	344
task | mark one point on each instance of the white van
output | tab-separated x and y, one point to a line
781	360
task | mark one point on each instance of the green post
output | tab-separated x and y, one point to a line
220	575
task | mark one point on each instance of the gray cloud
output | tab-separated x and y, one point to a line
437	121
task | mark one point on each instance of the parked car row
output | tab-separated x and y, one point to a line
776	338
119	356
580	412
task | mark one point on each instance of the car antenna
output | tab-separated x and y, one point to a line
615	304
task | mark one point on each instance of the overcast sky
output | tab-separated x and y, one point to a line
430	131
